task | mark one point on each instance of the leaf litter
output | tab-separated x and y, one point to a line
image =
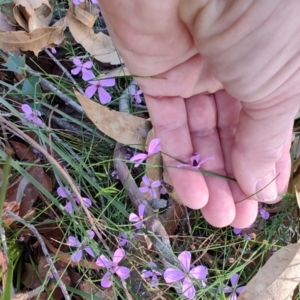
38	26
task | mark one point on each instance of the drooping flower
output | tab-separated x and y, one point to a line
149	187
65	193
195	162
264	214
199	273
52	49
32	115
113	267
135	94
238	231
233	289
97	85
153	274
138	219
153	148
74	242
83	67
123	239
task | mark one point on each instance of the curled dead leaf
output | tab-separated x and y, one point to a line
34	41
99	45
86	16
122	127
33	14
278	278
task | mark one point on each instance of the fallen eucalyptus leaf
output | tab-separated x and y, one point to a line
122	127
278	278
99	45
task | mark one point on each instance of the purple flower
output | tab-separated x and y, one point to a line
138	219
153	148
233	288
172	275
83	67
113	267
123	239
150	187
238	231
135	95
195	162
32	115
74	242
65	193
264	214
97	85
153	273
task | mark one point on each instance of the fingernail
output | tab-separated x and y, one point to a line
266	187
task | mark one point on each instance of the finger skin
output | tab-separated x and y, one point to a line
169	119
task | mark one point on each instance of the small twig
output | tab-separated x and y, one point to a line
45	251
64	70
159	236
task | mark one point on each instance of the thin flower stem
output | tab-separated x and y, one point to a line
203	171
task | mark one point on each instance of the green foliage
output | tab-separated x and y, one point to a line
32	87
16	64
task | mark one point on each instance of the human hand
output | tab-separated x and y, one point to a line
156	42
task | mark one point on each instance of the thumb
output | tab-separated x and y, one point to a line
260	156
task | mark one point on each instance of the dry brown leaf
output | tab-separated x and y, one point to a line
87	15
33	14
99	45
278	278
34	41
91	289
22	195
122	127
23	151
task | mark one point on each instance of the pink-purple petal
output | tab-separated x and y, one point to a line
106	281
63	192
77	62
240	289
199	272
171	275
146	180
76	256
107	81
91	233
90	91
103	262
69	208
237	230
26	109
87	75
227	290
89	251
87	201
87	65
144	189
141	210
73	241
188	288
155	184
185	260
104	96
154	146
123	272
138	224
147	274
234	279
134	218
118	255
154	280
264	214
233	297
76	70
140	157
